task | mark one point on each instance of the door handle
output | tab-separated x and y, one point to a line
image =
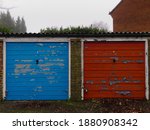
37	62
114	60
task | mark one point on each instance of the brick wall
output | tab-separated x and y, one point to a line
149	64
132	16
75	69
1	70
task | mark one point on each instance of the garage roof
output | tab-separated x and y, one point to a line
107	34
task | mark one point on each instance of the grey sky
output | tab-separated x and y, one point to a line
46	13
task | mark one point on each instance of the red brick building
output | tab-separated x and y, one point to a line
131	16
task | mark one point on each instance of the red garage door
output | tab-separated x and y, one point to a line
114	70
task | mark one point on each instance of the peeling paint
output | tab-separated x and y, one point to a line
45	65
136	81
22	69
139	61
52	47
124	92
125	61
52	82
103	81
89	82
26	60
38	89
16	77
54	52
104	87
52	64
33	73
50	77
21	66
132	61
41	60
114	57
40	44
124	80
45	58
58	59
32	80
46	69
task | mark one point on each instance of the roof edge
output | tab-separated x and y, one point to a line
110	13
79	35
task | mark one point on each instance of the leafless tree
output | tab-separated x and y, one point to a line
5	8
100	25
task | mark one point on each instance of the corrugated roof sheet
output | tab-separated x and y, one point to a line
107	34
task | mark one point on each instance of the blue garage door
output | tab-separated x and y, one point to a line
37	71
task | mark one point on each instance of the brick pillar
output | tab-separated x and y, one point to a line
1	70
75	69
149	65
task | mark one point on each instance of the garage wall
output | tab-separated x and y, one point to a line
1	70
75	69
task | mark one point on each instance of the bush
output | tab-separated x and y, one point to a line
74	30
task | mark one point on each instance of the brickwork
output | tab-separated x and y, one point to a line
149	65
131	16
1	70
75	69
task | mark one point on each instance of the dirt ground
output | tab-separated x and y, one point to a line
90	106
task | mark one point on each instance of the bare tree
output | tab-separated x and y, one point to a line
100	25
4	7
7	8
